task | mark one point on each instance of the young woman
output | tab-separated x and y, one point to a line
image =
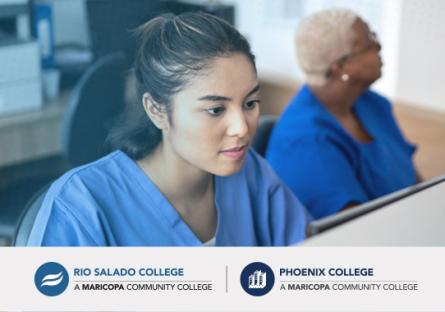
183	173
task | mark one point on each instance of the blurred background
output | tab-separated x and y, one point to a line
65	73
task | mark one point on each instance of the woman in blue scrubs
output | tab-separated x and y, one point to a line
182	173
337	144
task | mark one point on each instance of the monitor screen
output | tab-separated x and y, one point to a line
318	226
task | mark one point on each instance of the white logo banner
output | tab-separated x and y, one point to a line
222	279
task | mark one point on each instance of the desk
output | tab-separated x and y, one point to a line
32	134
417	220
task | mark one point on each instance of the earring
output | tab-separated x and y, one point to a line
345	77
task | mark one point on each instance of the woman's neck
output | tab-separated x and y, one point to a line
177	179
188	189
337	97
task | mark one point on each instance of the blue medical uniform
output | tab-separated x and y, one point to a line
111	202
326	167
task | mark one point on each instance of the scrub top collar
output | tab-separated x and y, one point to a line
171	215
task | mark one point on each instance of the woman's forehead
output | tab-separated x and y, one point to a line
230	64
228	74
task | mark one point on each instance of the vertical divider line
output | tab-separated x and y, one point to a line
227	279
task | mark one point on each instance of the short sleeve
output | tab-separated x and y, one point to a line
59	228
320	173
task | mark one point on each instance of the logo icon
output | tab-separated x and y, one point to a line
257	279
51	279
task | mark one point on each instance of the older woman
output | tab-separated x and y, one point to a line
338	144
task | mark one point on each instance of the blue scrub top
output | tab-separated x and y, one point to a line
111	202
326	167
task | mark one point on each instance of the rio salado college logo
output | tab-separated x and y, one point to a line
257	279
51	279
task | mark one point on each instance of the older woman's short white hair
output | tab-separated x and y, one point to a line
322	38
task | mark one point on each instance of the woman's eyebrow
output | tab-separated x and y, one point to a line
254	90
218	98
215	98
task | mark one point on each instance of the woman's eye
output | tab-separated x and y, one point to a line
215	111
251	104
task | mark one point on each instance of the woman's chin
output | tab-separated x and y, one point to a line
228	170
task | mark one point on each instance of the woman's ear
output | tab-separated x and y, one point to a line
334	71
155	111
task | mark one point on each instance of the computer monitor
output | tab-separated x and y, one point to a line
318	226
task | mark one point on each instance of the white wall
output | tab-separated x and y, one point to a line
272	35
412	33
422	54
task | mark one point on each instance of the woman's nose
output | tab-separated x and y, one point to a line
237	125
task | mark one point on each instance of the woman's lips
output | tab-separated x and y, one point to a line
235	153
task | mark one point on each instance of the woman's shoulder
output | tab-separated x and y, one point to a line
284	147
302	105
88	178
73	204
303	117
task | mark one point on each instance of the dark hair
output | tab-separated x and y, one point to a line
173	48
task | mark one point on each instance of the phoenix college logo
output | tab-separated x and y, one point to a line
51	279
257	279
